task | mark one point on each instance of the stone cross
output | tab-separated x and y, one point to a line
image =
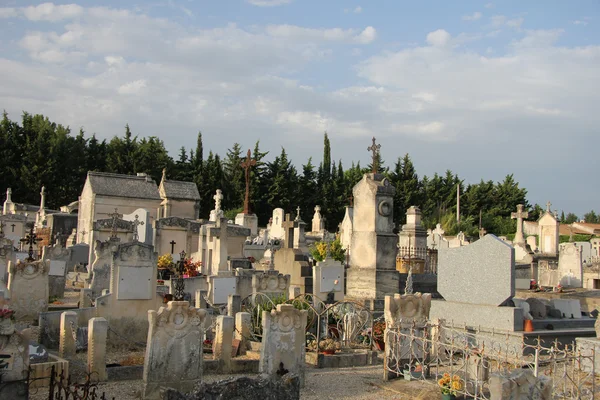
246	164
297	214
519	215
548	205
31	239
218	198
172	243
135	224
482	232
288	229
115	216
374	148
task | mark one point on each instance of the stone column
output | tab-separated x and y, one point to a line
68	333
243	320
223	341
96	361
201	298
85	298
283	341
234	305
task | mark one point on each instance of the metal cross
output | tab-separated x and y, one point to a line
179	284
115	216
172	243
13	227
31	239
135	224
246	164
374	148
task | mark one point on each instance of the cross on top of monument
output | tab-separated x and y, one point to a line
246	164
172	243
374	148
548	205
520	213
135	224
115	216
297	214
218	198
31	239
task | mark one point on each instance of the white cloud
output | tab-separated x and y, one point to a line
515	23
358	10
367	35
438	38
580	22
498	20
489	5
474	17
7	12
51	12
133	87
269	3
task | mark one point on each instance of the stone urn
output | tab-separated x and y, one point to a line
7	326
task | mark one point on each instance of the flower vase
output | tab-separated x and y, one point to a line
7	326
448	396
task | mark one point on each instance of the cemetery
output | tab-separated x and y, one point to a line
129	286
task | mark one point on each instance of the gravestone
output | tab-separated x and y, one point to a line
57	275
28	286
14	351
135	277
276	230
570	267
80	255
96	360
100	270
283	341
174	349
328	277
271	283
548	232
6	255
318	225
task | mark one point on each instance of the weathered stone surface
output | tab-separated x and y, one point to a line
103	255
570	266
15	352
286	388
174	350
96	360
28	286
407	309
569	308
481	273
537	308
520	385
68	333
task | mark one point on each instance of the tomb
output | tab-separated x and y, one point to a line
179	198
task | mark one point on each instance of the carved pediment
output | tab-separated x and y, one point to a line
107	224
178	222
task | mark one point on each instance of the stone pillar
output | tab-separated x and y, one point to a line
234	305
283	341
85	298
68	333
243	320
223	341
96	361
294	292
201	298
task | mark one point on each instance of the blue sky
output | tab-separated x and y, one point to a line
481	88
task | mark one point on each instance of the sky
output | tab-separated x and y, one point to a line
482	88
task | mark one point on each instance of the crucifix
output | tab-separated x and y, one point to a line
135	224
519	215
115	216
374	148
31	239
246	164
172	243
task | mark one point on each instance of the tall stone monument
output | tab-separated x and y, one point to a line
246	218
372	273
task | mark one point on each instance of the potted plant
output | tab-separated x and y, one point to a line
378	334
7	321
450	386
329	346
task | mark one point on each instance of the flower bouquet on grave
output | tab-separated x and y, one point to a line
7	321
191	268
450	386
329	346
379	334
207	346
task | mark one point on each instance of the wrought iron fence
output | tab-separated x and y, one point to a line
430	351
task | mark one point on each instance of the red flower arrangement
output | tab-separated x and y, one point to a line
7	313
191	268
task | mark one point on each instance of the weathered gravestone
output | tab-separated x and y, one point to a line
174	349
271	283
14	352
58	256
6	255
100	270
570	267
283	341
28	286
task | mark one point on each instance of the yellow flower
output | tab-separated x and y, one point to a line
456	385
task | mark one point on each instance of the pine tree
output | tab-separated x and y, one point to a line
235	180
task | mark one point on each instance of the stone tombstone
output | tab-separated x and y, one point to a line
220	288
283	341
96	360
100	270
520	384
28	286
570	266
548	233
277	231
14	351
480	273
318	224
57	275
134	272
68	334
80	254
271	283
6	255
174	349
407	309
222	345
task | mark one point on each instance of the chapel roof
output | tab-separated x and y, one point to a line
179	190
117	185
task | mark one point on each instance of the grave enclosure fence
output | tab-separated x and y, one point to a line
430	351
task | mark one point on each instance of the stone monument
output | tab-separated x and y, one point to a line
246	218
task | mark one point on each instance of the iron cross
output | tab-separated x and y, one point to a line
13	227
31	239
374	148
115	216
172	243
246	164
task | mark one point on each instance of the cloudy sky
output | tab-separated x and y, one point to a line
481	88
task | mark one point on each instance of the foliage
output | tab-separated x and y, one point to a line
318	250
230	214
591	217
569	219
576	238
379	329
450	385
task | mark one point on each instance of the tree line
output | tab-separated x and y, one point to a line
39	152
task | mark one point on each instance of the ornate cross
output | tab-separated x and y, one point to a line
246	164
374	148
135	224
172	243
31	239
218	197
115	216
179	284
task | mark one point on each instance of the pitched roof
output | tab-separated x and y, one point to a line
179	190
116	185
